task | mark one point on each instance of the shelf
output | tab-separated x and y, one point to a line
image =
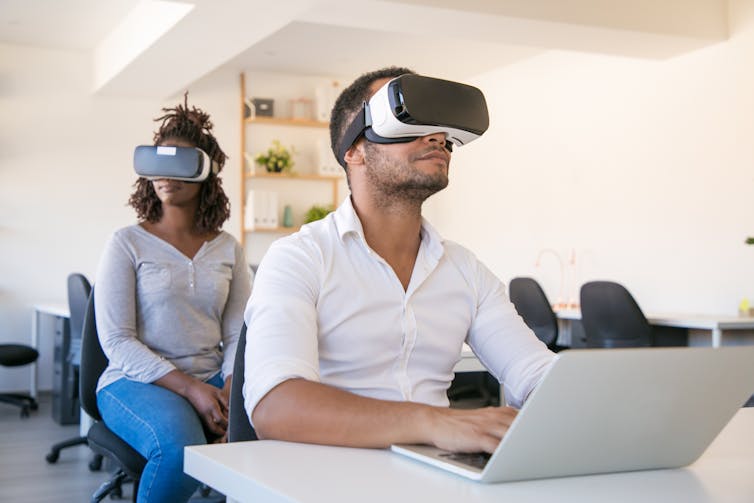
300	195
277	121
294	176
277	230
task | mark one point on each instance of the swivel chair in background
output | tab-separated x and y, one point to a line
14	355
612	318
532	304
129	463
79	289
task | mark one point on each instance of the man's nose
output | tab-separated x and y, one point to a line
435	138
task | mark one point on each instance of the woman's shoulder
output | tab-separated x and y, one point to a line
127	234
226	238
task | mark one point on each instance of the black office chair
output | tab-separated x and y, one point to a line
15	355
101	439
239	426
532	304
612	318
79	289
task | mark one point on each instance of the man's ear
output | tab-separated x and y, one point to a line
355	154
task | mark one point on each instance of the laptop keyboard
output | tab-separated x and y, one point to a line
475	459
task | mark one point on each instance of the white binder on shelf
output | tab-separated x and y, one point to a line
250	214
261	210
272	209
326	162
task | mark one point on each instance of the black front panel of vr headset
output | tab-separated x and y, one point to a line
167	162
427	100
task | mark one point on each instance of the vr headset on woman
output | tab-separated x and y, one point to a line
188	164
411	106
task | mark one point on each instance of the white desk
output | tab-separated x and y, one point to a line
468	362
58	310
716	324
273	471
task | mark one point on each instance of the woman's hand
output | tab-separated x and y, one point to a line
211	404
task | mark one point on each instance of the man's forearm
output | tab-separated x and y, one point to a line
305	411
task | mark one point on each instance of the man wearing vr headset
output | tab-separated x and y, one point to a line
356	322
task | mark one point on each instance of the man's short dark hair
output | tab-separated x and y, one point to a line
350	100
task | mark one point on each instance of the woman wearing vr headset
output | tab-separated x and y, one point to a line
169	299
378	305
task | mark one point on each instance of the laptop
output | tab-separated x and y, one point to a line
605	411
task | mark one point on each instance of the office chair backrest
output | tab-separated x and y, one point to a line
239	427
532	304
612	318
93	361
79	289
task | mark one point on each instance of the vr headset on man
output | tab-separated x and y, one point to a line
188	164
411	106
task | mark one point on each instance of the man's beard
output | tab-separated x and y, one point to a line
398	179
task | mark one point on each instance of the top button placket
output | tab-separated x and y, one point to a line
191	276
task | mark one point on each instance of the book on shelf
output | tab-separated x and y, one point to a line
261	210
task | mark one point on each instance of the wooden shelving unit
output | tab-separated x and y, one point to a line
248	177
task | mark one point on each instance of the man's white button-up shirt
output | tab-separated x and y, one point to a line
327	308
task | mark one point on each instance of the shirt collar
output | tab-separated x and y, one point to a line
347	222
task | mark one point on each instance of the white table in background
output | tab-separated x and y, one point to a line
273	471
715	324
58	310
51	309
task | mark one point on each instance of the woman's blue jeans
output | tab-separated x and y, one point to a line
157	423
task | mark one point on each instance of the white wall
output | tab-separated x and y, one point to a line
65	178
644	168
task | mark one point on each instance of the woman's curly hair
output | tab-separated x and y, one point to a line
193	126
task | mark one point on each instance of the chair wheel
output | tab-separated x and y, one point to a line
52	457
95	464
117	493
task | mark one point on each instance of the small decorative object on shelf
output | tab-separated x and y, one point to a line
325	96
317	212
750	241
277	159
263	107
287	216
301	109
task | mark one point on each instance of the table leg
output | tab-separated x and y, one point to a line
717	337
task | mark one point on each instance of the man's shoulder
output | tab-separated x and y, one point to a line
313	240
457	252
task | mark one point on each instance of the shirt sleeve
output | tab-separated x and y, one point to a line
281	319
115	308
504	344
238	295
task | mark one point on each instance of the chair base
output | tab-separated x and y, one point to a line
54	453
114	487
26	402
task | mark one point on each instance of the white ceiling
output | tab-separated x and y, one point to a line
345	37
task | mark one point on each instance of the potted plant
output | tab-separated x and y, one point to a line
277	158
317	212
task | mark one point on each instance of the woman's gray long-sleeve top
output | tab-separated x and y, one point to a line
158	310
